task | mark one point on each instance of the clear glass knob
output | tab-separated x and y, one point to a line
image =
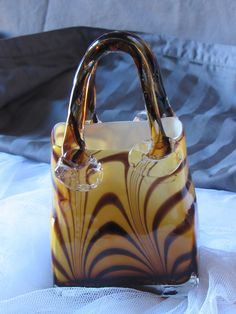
79	177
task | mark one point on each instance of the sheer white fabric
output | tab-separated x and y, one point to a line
25	270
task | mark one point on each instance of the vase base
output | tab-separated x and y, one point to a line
180	290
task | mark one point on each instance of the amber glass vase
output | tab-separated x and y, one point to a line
124	206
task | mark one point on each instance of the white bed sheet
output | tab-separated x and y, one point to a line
25	266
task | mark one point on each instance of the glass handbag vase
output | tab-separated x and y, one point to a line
124	202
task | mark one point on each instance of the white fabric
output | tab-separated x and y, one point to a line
25	271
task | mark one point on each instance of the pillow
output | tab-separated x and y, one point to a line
36	75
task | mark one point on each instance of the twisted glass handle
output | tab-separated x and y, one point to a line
74	156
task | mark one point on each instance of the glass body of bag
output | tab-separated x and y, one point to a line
124	204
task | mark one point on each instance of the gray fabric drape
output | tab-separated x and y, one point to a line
36	75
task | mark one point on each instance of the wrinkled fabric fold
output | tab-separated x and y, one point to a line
36	75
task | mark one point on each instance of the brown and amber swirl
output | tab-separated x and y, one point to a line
124	210
133	229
